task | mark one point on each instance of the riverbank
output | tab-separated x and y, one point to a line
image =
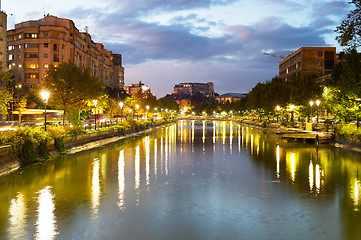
10	159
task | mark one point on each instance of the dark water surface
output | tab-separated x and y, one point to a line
190	180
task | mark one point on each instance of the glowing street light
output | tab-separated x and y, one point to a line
121	104
318	104
45	96
95	102
311	104
278	109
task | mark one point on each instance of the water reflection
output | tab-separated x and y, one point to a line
17	217
46	222
185	185
121	179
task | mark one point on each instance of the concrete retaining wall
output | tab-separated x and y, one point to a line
9	160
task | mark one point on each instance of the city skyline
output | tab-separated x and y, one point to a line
164	43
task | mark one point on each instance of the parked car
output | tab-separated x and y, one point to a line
332	121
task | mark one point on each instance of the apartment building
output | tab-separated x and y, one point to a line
36	44
206	89
230	97
316	60
135	87
3	29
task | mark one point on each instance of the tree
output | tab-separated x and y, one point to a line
350	28
168	103
5	98
110	106
70	86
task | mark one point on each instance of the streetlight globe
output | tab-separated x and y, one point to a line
95	102
155	109
318	102
147	107
121	104
278	108
311	103
137	106
45	96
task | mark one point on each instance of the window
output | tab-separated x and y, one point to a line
46	34
31	45
32	65
11	48
34	35
319	63
46	45
55	47
11	57
46	65
55	58
19	36
320	53
46	55
320	73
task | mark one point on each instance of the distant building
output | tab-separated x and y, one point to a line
3	29
206	89
230	97
316	60
134	88
34	45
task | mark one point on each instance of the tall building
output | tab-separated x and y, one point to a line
34	45
316	60
206	89
3	29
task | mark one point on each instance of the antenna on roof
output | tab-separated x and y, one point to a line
86	29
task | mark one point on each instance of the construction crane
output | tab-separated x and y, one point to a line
274	55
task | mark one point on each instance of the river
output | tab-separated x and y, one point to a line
189	180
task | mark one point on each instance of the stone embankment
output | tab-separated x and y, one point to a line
9	159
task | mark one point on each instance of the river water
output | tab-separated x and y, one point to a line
189	180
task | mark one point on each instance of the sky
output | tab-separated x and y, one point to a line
166	42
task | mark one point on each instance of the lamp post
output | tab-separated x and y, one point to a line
45	96
318	104
292	108
278	108
137	107
121	104
147	107
95	113
311	104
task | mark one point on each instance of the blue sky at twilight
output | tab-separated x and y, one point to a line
165	42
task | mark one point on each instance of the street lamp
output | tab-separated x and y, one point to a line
45	96
278	109
311	104
95	113
121	104
292	108
137	107
318	104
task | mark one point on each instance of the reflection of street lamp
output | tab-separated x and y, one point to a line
311	104
137	107
147	107
278	109
231	112
45	96
318	104
95	113
121	104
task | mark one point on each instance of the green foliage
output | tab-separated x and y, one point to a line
350	28
5	97
348	132
168	103
74	117
71	87
60	145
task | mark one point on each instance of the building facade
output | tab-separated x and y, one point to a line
206	89
230	97
308	60
3	30
134	88
35	45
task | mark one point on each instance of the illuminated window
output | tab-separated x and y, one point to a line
11	57
46	65
11	48
34	35
32	65
19	36
20	66
10	66
32	75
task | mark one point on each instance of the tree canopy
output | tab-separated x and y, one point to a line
350	28
71	87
